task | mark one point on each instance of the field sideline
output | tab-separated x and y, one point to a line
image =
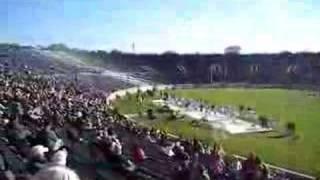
284	105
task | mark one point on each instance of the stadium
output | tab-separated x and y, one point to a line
159	90
171	113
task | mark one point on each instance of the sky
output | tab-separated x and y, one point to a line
184	26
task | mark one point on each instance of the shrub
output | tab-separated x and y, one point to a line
195	123
264	121
150	114
165	95
241	108
164	109
291	128
150	93
154	89
173	115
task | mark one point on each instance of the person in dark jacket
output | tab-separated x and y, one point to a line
182	171
251	167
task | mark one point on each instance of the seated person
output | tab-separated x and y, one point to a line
138	154
59	157
37	159
167	149
17	133
119	162
149	138
56	173
234	167
183	171
179	152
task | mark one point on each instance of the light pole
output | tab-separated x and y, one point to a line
211	69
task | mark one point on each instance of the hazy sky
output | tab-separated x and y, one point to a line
160	25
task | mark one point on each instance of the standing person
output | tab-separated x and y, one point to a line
250	168
218	149
264	171
197	146
218	167
194	166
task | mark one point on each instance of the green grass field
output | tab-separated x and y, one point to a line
284	105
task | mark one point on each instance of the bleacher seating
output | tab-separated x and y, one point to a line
64	117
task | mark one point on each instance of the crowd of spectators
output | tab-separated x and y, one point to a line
43	123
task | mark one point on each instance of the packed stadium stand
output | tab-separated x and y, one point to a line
171	67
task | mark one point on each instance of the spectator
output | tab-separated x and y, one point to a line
182	171
250	167
17	133
56	173
115	145
59	158
149	138
233	168
37	159
51	138
204	175
217	166
138	154
3	163
7	175
218	149
179	152
167	149
120	163
264	172
197	146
